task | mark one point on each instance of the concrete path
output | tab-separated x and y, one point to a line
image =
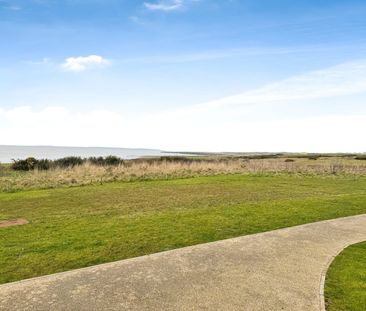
277	270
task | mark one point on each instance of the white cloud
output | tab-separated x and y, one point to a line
167	5
82	63
332	133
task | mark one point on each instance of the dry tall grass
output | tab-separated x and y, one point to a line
145	170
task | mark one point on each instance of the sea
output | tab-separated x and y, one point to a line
7	153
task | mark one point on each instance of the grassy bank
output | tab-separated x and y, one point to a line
345	287
81	226
155	169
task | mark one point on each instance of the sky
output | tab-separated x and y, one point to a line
184	75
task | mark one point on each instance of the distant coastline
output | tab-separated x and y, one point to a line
8	152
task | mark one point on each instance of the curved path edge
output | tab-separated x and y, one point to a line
323	276
283	269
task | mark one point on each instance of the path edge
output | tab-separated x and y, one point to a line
324	276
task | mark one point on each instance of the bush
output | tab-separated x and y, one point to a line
289	160
107	161
360	157
113	161
68	162
43	164
28	164
261	156
96	161
177	159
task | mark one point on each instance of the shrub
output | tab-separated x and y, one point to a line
289	160
261	156
177	159
24	165
43	164
107	161
96	161
19	165
30	164
361	157
113	161
68	162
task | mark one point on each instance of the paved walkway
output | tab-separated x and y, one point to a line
277	270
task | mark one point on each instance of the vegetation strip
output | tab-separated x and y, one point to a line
73	171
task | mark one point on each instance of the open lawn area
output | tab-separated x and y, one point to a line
82	226
345	287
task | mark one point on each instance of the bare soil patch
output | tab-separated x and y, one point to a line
13	222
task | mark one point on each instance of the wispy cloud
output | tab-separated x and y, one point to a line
82	63
207	55
340	80
164	5
43	61
9	6
14	8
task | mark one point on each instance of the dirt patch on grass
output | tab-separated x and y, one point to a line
13	222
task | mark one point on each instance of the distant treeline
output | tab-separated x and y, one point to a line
31	163
310	156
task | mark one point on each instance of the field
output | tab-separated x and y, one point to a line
346	280
72	227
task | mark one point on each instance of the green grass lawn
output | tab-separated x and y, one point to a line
82	226
345	287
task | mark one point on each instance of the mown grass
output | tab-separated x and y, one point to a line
81	226
345	287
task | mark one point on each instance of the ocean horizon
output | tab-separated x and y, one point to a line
8	152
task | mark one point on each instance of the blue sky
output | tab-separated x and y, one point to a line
220	75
